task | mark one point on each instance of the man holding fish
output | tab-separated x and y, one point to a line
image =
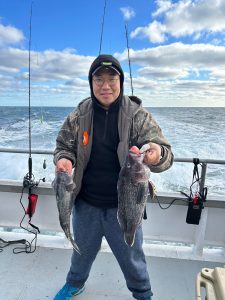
109	145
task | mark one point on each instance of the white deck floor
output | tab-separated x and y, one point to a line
38	276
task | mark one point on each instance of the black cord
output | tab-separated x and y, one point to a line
195	179
152	193
27	249
27	245
170	204
4	243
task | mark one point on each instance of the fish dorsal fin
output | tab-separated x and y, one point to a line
141	192
152	189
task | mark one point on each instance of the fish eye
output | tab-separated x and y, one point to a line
128	165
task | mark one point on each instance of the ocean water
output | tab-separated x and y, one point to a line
192	132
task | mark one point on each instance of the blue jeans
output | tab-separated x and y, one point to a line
90	224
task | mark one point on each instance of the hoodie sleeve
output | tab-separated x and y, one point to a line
66	141
147	130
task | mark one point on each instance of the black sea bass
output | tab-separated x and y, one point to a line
63	186
132	193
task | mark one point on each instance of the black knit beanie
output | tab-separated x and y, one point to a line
106	60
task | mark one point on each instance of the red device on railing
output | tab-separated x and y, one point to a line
32	204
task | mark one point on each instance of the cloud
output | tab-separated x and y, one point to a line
179	55
180	93
218	73
56	65
178	75
155	31
5	82
163	73
184	18
174	75
163	6
190	17
127	12
10	35
13	59
47	65
53	73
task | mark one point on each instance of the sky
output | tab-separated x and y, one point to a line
177	50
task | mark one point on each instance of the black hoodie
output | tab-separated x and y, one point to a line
99	185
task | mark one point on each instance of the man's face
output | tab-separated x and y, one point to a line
106	87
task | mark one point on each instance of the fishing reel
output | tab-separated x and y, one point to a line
30	182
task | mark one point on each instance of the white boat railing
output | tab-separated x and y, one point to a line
166	232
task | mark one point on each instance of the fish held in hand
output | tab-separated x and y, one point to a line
63	186
132	190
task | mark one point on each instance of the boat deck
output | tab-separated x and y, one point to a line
175	251
38	276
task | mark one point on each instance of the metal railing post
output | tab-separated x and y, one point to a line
201	228
203	176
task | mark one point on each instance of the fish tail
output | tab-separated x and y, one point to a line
75	247
129	238
69	237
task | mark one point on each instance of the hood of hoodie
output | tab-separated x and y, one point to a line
106	60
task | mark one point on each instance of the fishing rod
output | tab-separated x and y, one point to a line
29	180
128	48
103	23
30	158
128	53
28	183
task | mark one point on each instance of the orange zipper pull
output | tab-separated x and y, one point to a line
85	138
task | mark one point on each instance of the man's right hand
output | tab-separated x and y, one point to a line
64	165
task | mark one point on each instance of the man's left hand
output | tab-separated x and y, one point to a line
152	154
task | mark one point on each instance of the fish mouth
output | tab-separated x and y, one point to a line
136	155
135	149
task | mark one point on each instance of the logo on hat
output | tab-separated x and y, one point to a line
106	63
